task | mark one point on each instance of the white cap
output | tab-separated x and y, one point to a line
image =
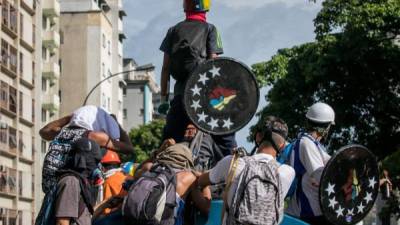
321	113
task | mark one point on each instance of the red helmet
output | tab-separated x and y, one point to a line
111	157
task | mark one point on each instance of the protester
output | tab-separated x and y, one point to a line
309	158
385	191
74	201
186	45
88	121
173	164
267	202
114	177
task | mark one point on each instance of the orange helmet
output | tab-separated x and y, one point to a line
111	157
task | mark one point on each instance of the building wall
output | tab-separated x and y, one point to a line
19	103
134	106
85	60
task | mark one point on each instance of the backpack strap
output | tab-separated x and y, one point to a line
229	181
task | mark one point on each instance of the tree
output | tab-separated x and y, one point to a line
356	70
145	138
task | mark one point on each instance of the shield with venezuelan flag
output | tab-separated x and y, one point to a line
221	96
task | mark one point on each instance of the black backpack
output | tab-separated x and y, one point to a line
152	198
189	48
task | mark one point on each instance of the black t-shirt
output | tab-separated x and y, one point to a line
213	45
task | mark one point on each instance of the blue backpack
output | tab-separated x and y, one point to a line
284	158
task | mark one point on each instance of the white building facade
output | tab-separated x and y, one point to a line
138	94
91	50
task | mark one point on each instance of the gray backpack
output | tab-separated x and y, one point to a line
259	198
152	198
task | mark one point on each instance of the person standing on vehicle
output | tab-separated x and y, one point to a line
186	45
309	159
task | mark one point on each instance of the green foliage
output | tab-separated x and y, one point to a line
356	71
391	163
145	139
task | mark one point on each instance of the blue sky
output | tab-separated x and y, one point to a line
252	30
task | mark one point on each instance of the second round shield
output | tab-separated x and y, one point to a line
221	96
349	185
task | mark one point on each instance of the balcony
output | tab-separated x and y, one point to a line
51	40
51	71
8	181
51	8
29	6
51	103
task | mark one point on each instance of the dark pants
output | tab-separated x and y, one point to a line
178	120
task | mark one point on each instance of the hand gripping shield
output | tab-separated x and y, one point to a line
221	96
349	185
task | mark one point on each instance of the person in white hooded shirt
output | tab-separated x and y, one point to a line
103	127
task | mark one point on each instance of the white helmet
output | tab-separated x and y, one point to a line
321	113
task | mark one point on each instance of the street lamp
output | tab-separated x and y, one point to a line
98	84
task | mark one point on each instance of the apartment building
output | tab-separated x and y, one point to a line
91	50
18	106
138	94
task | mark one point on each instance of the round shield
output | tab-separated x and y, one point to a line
221	96
349	185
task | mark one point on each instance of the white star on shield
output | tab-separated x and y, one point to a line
213	123
215	71
330	189
360	208
368	198
350	212
196	105
196	90
203	78
339	211
202	117
227	123
372	182
332	203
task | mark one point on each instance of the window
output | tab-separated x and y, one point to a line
12	99
33	112
109	48
44	85
12	138
141	112
125	113
43	146
141	89
21	63
124	91
5	12
3	135
44	53
104	40
103	70
108	103
4	52
33	33
33	73
13	59
13	19
44	115
21	103
20	142
44	23
4	95
21	25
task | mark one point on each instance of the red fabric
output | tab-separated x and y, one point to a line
200	16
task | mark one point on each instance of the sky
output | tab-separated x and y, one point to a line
252	31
